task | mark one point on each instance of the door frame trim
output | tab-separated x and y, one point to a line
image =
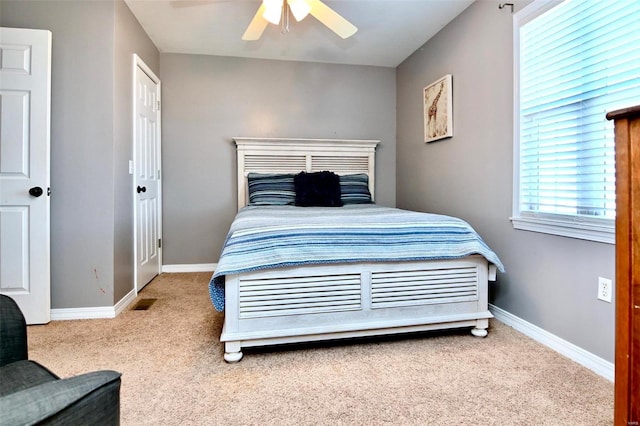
138	63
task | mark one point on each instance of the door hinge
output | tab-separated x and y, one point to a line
158	105
159	242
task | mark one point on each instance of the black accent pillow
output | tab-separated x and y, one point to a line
317	189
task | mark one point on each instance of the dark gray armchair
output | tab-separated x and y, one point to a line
31	394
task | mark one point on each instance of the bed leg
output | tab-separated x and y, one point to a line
480	329
232	352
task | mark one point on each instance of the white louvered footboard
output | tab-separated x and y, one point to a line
406	288
299	295
321	302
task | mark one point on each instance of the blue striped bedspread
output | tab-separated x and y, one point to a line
265	237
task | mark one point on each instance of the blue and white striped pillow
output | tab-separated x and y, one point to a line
355	189
271	189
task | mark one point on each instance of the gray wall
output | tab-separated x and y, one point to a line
91	211
550	281
208	100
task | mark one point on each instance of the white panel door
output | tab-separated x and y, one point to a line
25	87
147	194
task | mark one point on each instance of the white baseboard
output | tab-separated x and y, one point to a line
101	312
125	301
193	267
594	363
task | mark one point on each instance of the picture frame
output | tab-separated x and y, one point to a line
438	109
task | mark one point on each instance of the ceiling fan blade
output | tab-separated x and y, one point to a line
256	26
331	19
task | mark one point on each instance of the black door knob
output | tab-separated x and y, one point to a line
36	191
141	189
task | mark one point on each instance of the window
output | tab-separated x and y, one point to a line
575	61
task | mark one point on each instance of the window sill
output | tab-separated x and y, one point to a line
602	232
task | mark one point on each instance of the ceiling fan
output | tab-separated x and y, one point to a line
277	11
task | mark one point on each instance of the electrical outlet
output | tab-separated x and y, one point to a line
605	288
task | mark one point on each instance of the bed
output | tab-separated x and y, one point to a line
291	274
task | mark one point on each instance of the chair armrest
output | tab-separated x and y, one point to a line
92	398
13	332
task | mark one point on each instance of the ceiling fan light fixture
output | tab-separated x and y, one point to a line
272	10
299	8
276	11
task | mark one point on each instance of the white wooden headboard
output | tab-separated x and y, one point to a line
273	155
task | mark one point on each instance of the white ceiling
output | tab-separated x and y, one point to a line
388	30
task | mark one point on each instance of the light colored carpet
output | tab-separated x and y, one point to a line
173	373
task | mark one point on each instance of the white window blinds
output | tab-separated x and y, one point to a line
577	61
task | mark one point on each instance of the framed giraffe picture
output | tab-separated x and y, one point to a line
438	109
